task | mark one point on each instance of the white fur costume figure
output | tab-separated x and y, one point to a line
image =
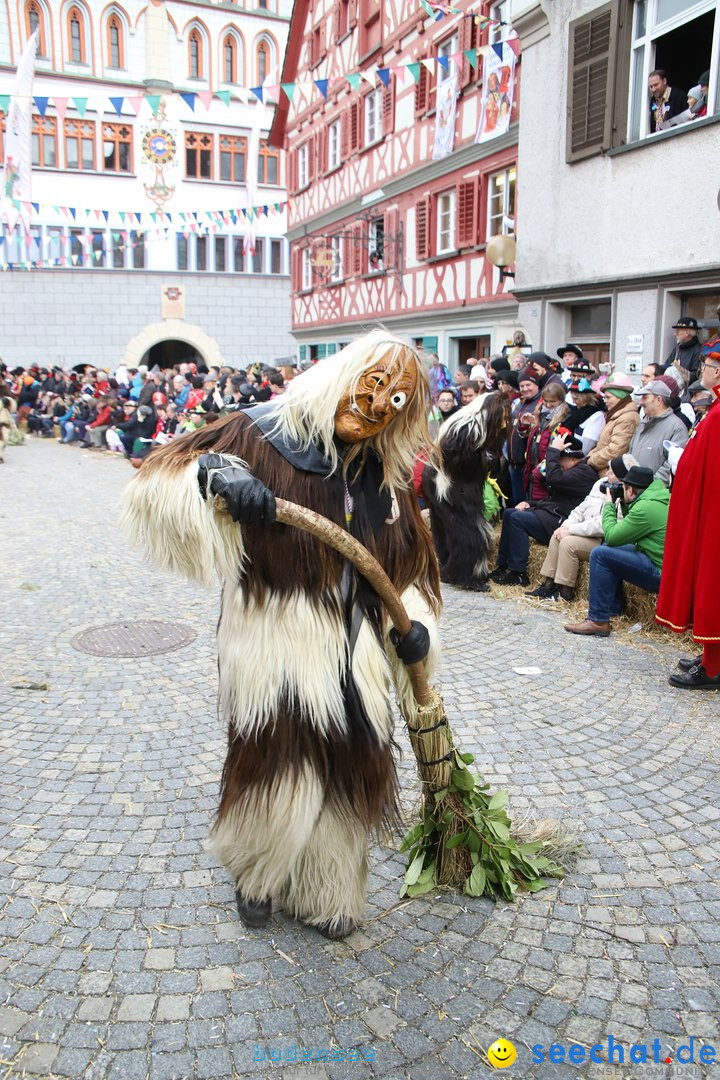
305	662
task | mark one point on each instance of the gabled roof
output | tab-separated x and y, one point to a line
296	36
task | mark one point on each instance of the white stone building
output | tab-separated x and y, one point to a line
137	236
617	228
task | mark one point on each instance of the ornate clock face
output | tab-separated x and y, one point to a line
159	146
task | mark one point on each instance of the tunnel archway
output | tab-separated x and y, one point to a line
173	331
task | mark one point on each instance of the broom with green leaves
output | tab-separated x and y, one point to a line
465	839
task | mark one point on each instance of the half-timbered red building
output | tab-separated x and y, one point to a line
379	230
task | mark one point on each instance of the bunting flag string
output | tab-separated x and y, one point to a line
90	216
132	104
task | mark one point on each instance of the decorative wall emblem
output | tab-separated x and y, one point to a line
159	147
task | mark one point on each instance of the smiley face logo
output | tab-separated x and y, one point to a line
501	1054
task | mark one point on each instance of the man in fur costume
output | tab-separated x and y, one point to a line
305	662
470	442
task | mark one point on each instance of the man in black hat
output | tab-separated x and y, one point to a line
569	478
541	364
632	551
686	354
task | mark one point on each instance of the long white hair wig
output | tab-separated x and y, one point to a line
306	412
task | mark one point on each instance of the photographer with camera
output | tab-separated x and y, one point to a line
580	533
633	549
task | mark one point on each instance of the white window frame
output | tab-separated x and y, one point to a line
448	47
642	60
500	222
500	11
302	163
337	271
334	145
372	245
306	268
373	116
446	211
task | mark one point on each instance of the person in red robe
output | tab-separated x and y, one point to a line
689	588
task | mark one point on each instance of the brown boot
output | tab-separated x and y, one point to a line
589	628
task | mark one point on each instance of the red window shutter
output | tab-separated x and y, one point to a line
467	206
336	21
391	247
465	40
422	228
311	157
352	13
359	249
422	91
294	269
482	38
354	125
320	151
323	38
345	133
292	170
388	108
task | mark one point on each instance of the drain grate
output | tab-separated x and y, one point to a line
144	638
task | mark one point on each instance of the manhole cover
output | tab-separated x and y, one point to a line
133	638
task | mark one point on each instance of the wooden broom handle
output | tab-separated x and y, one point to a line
289	513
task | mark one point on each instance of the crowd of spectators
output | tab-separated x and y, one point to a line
134	409
588	464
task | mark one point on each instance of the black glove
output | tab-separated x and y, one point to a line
415	646
248	501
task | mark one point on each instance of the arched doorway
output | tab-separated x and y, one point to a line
166	353
174	332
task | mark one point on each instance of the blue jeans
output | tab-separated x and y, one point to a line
609	567
517	485
517	528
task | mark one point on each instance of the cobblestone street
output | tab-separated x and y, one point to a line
121	954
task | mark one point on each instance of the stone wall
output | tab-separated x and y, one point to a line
70	316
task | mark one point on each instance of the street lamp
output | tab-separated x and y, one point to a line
500	251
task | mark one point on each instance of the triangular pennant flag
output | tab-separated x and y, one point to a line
354	80
74	259
498	50
384	76
36	207
153	101
5	103
135	102
206	97
122	216
80	104
322	85
117	104
153	217
224	95
272	93
61	104
368	76
472	58
444	62
429	64
414	70
189	100
513	41
288	90
41	104
73	212
258	92
399	72
106	214
457	58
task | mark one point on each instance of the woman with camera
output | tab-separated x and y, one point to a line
579	534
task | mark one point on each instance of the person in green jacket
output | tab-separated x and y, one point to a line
632	551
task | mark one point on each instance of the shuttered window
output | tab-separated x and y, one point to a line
467	213
591	79
423	233
422	91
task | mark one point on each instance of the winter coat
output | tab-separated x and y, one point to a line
644	523
690	586
517	442
688	357
102	419
566	489
537	444
615	437
586	519
646	445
